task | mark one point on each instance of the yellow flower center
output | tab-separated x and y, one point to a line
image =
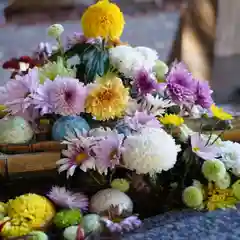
196	149
80	157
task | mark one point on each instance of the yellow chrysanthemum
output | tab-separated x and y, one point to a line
103	19
171	119
220	113
219	198
107	99
26	213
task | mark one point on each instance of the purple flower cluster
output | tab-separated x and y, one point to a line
184	89
126	225
145	83
24	96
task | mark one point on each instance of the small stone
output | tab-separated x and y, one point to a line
68	124
15	130
104	199
38	235
73	233
91	223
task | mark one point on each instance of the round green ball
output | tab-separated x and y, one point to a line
213	170
192	197
236	189
91	223
225	182
120	184
67	218
38	235
55	30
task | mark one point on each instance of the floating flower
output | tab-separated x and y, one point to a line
67	218
107	99
17	94
103	19
230	156
53	69
220	113
150	56
171	119
141	119
223	183
151	150
67	199
120	184
236	189
213	170
107	151
192	197
27	212
41	98
202	149
220	198
180	85
67	96
55	30
77	155
203	95
126	60
160	69
145	82
126	225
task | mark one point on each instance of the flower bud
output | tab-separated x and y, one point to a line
55	30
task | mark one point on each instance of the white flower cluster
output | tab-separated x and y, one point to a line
155	105
150	151
230	156
129	60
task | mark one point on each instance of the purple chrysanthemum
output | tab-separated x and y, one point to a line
67	96
17	93
126	225
145	82
79	38
67	199
181	85
107	151
203	94
141	119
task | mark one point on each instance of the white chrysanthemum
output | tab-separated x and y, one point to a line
151	150
129	60
150	55
230	156
150	104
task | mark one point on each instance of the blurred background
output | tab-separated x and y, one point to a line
205	34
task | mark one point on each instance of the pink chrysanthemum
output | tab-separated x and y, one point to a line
67	96
17	93
67	199
107	151
77	155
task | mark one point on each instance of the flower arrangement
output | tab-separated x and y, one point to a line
124	113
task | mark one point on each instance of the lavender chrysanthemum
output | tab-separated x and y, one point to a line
203	94
181	86
67	96
126	225
145	82
79	38
67	199
41	98
107	151
141	119
17	93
